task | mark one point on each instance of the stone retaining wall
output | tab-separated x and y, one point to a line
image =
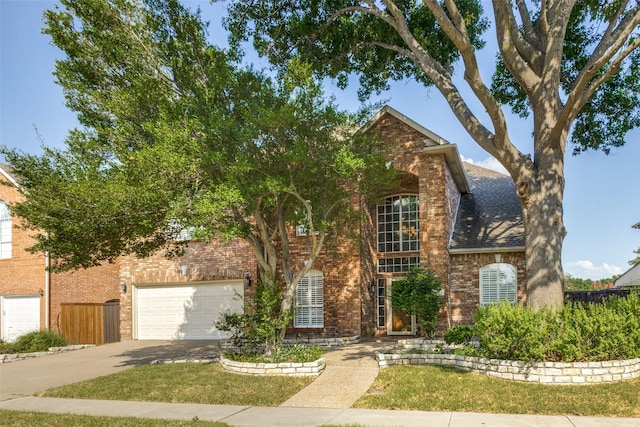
7	358
289	369
324	342
537	372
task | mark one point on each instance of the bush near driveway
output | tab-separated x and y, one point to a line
34	342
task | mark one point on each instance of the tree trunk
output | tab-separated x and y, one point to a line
541	195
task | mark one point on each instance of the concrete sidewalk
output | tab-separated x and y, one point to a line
281	416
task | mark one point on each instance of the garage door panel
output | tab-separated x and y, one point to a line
184	312
20	314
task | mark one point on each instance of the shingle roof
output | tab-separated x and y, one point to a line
7	171
490	215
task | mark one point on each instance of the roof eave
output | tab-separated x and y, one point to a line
437	139
452	156
9	177
463	251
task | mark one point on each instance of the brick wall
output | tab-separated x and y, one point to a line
464	291
23	273
203	262
428	176
93	285
343	289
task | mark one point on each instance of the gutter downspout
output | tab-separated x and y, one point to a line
47	286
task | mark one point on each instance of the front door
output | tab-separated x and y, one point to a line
398	322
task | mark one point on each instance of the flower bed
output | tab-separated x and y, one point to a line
536	372
14	357
287	368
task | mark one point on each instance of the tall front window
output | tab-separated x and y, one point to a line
310	301
399	224
5	231
498	282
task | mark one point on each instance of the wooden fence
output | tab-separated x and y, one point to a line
90	323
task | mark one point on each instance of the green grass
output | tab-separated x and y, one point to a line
29	419
185	383
432	388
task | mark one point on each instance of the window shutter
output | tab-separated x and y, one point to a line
488	286
310	301
498	282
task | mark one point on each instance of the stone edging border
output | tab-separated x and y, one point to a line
203	359
14	357
288	369
535	372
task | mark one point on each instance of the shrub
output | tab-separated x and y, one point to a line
459	334
257	329
577	332
299	353
38	341
419	293
515	332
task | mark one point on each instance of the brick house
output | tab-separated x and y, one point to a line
461	221
31	298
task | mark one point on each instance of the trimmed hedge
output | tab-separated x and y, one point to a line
578	332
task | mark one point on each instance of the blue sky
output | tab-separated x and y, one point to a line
602	198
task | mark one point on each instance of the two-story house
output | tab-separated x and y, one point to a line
461	221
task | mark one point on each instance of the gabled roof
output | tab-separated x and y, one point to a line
7	172
433	143
489	216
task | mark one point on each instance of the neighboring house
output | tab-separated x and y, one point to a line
31	298
461	221
631	277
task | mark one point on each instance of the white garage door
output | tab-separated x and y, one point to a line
188	312
20	314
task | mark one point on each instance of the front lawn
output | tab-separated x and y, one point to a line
427	388
434	388
29	419
185	383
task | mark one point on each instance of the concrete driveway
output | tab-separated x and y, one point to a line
27	377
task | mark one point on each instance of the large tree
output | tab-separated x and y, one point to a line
572	64
174	137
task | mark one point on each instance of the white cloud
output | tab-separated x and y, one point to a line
489	163
585	269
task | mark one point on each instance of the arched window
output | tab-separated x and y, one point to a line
399	224
5	231
498	282
310	301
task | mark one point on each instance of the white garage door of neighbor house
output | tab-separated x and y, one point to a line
184	312
20	314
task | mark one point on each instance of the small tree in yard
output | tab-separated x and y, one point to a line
257	329
418	293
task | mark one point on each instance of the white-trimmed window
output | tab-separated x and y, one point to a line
398	265
399	224
310	301
5	231
498	282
